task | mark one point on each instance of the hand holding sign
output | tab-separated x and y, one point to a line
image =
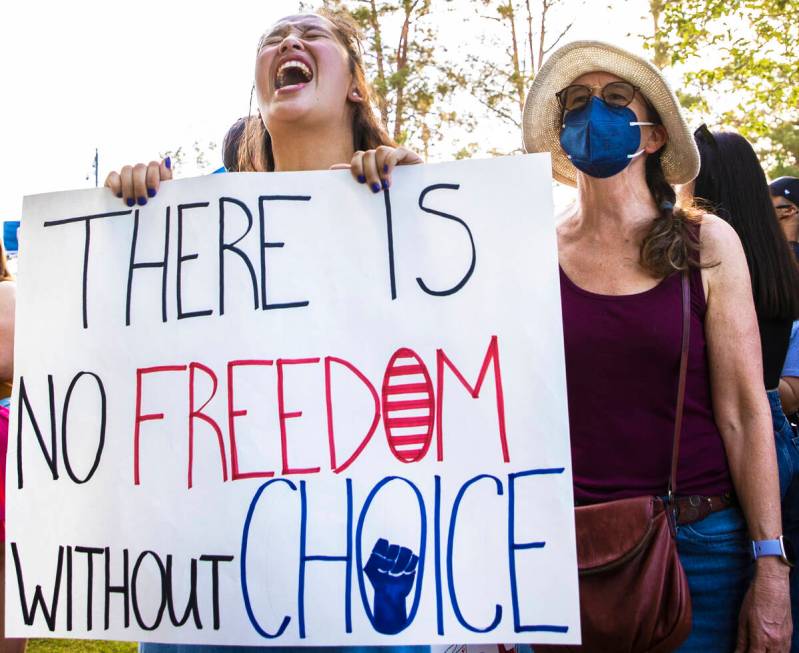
134	184
391	569
374	167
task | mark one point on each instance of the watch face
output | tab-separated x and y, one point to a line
790	553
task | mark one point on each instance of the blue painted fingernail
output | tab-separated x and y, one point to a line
384	184
361	179
151	192
385	167
168	163
141	201
375	188
119	195
130	201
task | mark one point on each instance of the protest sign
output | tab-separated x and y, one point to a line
280	409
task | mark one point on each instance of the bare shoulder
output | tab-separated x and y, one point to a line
727	274
718	240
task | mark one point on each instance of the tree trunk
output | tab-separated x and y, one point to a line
661	58
381	85
543	33
518	78
402	64
533	67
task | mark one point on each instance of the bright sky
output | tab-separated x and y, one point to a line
140	78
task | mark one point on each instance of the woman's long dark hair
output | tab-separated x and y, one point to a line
732	185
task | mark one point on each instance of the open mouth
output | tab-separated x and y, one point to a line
292	73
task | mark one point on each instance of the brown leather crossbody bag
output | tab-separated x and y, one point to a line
634	595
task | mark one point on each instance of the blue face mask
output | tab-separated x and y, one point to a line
601	140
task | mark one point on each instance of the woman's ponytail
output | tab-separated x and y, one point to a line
672	242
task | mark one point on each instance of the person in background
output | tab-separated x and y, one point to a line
785	197
8	294
616	132
732	185
789	377
231	144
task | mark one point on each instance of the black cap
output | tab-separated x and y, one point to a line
787	187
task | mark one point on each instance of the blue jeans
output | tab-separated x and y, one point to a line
787	444
716	555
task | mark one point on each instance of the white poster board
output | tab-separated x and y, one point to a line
280	409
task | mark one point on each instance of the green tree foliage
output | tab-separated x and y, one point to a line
741	59
513	38
199	159
430	95
403	58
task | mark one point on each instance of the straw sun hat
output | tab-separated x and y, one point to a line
541	122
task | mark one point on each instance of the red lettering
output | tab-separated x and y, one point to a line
492	355
232	414
283	415
146	417
412	379
199	414
329	401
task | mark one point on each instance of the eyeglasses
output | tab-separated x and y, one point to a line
615	94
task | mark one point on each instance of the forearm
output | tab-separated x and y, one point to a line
749	442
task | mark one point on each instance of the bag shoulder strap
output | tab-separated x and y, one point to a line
686	337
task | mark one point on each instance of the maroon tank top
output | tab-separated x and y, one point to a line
622	366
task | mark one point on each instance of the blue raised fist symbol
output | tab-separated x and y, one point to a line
392	570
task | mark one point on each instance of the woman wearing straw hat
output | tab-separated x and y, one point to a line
615	131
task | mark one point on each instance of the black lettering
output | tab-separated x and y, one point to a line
231	247
69	588
390	240
182	259
29	613
462	282
86	244
159	615
215	560
192	607
51	456
123	589
101	440
133	265
90	553
267	245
